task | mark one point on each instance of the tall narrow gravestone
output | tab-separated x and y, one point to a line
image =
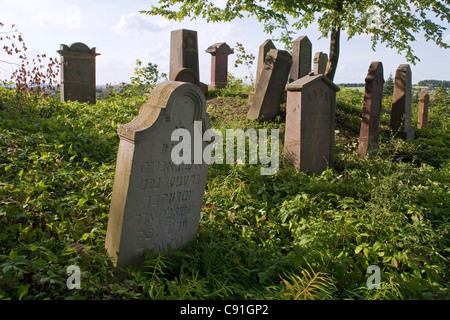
373	95
183	52
401	103
320	62
424	103
270	87
219	64
310	123
264	49
301	58
78	73
156	203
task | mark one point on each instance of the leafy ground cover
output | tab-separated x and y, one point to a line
286	236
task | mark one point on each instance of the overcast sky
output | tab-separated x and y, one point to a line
121	35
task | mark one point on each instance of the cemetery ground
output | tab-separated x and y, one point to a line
290	235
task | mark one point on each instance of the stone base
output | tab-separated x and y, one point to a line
203	87
405	135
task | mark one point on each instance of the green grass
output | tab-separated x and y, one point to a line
286	236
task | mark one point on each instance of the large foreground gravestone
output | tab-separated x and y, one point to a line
78	73
271	85
310	123
301	58
401	103
156	203
183	52
373	94
424	103
219	64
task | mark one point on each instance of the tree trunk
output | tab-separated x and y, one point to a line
335	37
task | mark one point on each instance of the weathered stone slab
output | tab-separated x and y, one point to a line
219	64
424	104
183	52
78	73
310	123
401	103
270	88
187	75
301	58
373	95
320	62
264	48
155	202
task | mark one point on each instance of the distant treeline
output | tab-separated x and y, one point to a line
351	84
434	83
423	83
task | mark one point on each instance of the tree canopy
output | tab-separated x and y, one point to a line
394	23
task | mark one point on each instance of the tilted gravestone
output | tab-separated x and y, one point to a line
183	52
156	203
373	95
219	64
320	62
78	73
310	123
301	58
424	103
264	48
401	103
270	87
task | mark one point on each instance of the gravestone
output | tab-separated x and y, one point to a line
264	48
401	103
301	58
156	203
219	64
187	75
320	62
373	95
424	103
270	87
310	123
183	52
78	73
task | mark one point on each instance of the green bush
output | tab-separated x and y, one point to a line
286	236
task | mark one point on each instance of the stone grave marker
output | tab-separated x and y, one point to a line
373	95
219	64
401	103
78	73
310	123
320	62
187	75
301	58
156	203
183	52
264	48
269	90
424	103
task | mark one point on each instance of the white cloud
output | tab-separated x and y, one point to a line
138	24
447	38
56	17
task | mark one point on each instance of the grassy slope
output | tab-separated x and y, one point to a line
258	236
